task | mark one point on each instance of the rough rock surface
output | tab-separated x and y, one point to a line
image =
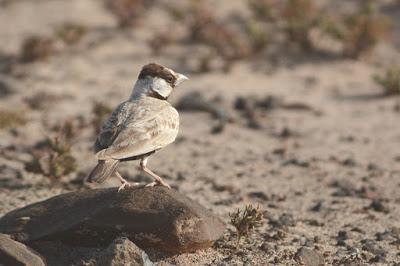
121	252
151	217
309	257
15	253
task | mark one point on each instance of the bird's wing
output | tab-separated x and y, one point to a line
112	127
149	128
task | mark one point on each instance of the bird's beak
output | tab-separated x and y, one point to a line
180	78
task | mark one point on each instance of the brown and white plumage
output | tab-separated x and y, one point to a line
140	126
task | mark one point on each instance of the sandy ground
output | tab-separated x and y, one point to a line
328	179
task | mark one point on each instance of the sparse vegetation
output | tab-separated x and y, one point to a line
362	31
67	130
100	112
37	48
160	41
204	28
52	158
300	17
11	118
245	220
128	12
42	100
71	33
365	30
390	81
264	10
257	36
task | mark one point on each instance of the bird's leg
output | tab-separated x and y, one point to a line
124	182
158	180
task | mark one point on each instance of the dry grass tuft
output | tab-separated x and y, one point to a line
128	12
300	17
364	31
37	48
245	220
10	119
206	29
263	10
390	81
52	158
70	33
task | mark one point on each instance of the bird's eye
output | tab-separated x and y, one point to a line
170	79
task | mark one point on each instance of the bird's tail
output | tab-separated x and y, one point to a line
102	171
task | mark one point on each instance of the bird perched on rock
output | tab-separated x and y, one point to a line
140	126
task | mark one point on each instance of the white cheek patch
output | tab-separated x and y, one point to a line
161	87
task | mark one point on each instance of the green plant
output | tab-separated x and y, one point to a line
390	81
263	10
300	17
37	48
245	220
11	118
257	36
206	29
52	158
362	31
70	33
128	12
160	41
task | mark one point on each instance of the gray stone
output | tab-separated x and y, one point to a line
15	253
154	217
121	252
309	257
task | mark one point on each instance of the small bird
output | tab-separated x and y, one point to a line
140	126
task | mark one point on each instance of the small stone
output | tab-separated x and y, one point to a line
372	247
341	238
317	207
284	220
349	162
309	257
378	206
15	253
154	217
121	252
345	188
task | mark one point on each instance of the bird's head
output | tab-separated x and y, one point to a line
157	81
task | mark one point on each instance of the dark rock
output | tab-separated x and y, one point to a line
377	205
15	253
317	207
121	252
372	247
386	235
341	238
151	217
296	162
195	101
285	220
309	257
377	258
258	195
345	188
349	162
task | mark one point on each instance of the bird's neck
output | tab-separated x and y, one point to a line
142	87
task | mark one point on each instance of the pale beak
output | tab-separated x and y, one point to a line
180	78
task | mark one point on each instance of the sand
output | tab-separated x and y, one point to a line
321	178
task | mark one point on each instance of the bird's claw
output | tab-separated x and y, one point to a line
127	184
158	183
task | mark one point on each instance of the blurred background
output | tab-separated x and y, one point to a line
292	105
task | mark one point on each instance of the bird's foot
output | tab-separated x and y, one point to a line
158	183
127	184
